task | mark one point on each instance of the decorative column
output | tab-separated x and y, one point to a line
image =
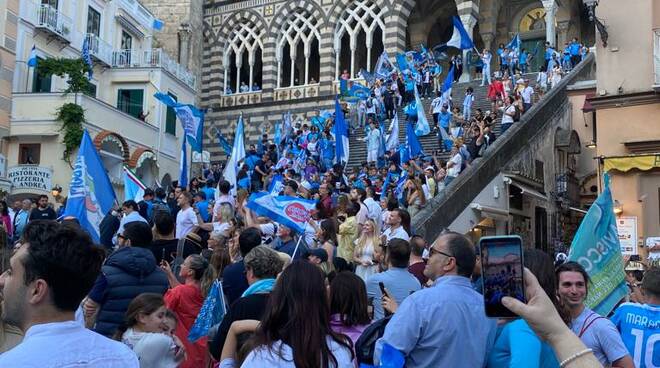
293	69
352	58
469	21
488	38
337	51
251	82
369	42
562	33
307	55
184	33
239	63
226	79
550	7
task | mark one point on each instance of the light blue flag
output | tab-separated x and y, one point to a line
222	141
402	62
596	247
446	139
370	78
191	118
400	183
133	186
446	85
32	61
384	67
276	185
386	183
515	43
291	212
414	147
393	138
278	134
404	154
422	127
91	195
212	312
460	38
87	58
287	125
381	146
183	165
341	135
237	154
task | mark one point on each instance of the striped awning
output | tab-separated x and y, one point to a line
641	162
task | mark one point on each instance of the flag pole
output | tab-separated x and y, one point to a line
295	250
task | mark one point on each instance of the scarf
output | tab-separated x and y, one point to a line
261	286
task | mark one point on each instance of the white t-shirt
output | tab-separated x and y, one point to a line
526	94
280	355
186	220
508	118
363	214
398	233
456	169
154	350
220	227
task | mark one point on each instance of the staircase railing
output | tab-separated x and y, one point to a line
441	211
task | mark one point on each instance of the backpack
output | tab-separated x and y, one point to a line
365	346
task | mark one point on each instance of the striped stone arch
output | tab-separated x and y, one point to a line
208	35
296	23
242	32
352	17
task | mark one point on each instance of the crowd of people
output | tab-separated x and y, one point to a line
192	277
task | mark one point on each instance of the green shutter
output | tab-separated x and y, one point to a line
130	101
170	118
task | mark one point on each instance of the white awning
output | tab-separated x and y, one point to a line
491	212
526	189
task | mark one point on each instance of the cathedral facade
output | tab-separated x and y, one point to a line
262	58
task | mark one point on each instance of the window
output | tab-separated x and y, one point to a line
52	3
170	118
91	92
40	83
297	51
126	41
359	37
130	101
243	64
93	22
29	154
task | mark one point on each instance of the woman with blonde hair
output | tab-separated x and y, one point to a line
416	198
365	249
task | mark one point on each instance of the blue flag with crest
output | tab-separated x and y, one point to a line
91	195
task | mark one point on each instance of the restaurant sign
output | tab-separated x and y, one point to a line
30	178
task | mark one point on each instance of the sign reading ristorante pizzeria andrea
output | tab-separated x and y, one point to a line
30	177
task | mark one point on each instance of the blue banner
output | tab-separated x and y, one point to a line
596	247
288	211
91	195
191	118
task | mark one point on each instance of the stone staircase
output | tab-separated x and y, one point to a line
430	142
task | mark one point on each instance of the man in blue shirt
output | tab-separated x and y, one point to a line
21	219
444	325
398	282
639	324
286	244
549	51
574	49
202	205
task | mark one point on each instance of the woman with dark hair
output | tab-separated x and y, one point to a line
142	332
186	299
5	222
295	329
348	305
517	345
326	238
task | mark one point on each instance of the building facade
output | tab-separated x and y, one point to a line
8	27
627	106
264	58
128	125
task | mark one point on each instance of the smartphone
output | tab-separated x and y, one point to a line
501	272
383	293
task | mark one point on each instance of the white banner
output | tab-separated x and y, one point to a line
30	178
627	228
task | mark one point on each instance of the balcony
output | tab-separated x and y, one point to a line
50	20
33	114
153	58
99	49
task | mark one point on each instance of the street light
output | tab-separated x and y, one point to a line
591	8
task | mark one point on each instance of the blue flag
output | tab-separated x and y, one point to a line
87	58
370	78
404	154
384	66
237	154
393	138
191	118
133	186
212	312
91	195
596	247
341	135
158	25
515	43
414	147
276	185
32	61
386	183
400	183
183	165
460	38
288	211
422	127
224	144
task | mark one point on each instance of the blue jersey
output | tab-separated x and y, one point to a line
639	325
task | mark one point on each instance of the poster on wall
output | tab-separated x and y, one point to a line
627	228
652	242
30	178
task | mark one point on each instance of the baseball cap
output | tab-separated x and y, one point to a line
318	252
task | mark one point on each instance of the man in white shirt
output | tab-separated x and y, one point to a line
526	95
373	142
436	107
187	218
131	214
373	207
47	279
357	195
398	221
453	165
486	57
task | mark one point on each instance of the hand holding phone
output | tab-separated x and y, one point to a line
385	297
502	273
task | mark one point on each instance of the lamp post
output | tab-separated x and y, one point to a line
591	8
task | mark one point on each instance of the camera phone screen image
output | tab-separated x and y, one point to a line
502	271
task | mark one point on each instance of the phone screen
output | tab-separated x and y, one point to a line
502	272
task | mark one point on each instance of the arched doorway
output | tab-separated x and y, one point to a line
530	23
113	151
146	166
